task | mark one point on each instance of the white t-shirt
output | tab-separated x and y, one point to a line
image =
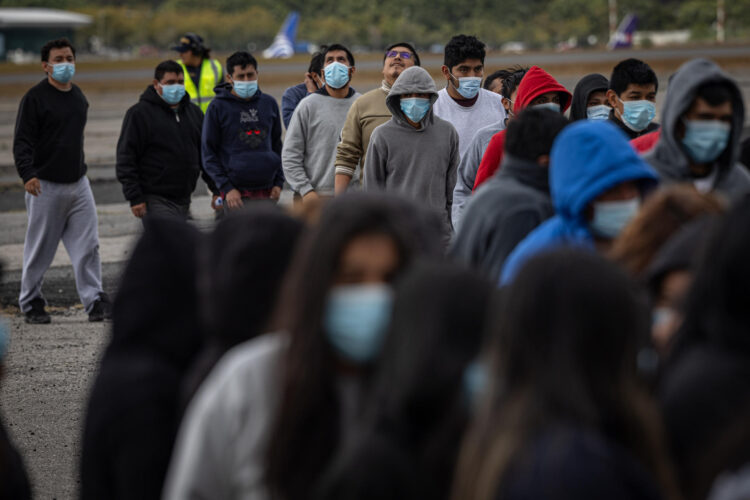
488	110
706	184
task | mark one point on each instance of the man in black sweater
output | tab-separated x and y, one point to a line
158	154
48	152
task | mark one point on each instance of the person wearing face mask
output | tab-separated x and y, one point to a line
515	200
596	181
415	153
310	145
590	99
537	89
368	112
48	153
276	409
472	157
632	97
241	142
703	117
463	103
202	74
159	150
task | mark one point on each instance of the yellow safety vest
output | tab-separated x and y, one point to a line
210	75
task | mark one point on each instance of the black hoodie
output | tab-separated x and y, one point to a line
585	86
159	151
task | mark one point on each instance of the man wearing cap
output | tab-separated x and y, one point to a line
202	73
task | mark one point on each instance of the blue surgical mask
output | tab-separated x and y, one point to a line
336	75
172	93
552	106
637	115
415	108
63	72
475	382
600	112
705	140
356	319
610	217
245	90
468	86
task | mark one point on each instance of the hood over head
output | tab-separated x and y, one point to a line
535	83
156	306
414	80
587	159
683	86
584	88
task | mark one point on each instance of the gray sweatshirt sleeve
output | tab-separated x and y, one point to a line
375	165
451	177
467	173
293	153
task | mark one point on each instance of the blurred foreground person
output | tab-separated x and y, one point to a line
705	392
597	183
242	267
702	121
563	415
516	199
133	416
661	216
14	482
275	410
406	448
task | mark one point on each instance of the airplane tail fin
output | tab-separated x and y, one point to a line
283	43
623	37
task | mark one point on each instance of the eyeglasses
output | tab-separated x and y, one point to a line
394	53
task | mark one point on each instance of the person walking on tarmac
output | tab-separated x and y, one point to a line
202	73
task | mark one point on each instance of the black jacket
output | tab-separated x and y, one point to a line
506	209
159	151
14	483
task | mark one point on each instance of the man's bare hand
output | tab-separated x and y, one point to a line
275	193
33	187
233	199
139	210
312	82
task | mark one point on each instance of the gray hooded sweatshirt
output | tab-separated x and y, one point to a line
669	157
418	163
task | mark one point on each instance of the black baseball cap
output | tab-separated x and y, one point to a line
189	41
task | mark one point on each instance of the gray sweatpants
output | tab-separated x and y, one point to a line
62	211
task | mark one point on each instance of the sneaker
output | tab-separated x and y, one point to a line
37	315
101	310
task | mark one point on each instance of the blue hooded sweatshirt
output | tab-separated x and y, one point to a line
587	159
241	143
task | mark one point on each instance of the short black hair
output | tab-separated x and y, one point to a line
338	46
461	48
511	83
632	71
317	60
241	59
408	46
715	93
532	133
60	43
501	74
167	67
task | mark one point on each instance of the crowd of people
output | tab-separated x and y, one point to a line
475	296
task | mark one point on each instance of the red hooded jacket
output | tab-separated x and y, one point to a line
645	143
535	83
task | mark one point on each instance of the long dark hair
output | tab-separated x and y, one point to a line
563	349
305	432
416	414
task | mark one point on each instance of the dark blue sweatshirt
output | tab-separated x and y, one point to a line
241	142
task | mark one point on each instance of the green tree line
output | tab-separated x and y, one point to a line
228	24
